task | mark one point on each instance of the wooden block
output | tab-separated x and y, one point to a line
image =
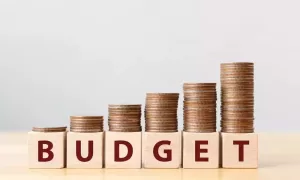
46	150
201	150
239	150
85	150
123	149
162	150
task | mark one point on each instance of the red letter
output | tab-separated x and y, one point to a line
198	150
90	151
117	151
166	151
41	150
241	148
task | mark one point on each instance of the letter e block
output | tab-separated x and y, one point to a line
85	150
123	150
162	150
46	150
239	150
201	150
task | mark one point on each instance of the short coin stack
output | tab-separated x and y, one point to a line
125	118
237	97
199	107
161	112
86	124
49	129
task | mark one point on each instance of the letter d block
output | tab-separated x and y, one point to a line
46	150
240	150
162	150
123	150
85	150
201	150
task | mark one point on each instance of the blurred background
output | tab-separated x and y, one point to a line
74	57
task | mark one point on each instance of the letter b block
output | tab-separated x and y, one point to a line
46	150
85	150
201	150
162	150
240	150
123	149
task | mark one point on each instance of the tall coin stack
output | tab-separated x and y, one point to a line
237	97
161	112
125	118
199	107
86	124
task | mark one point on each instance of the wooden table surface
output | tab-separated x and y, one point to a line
279	158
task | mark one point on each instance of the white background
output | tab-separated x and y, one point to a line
74	57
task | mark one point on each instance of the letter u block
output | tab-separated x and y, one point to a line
123	150
85	150
239	150
201	150
162	150
46	150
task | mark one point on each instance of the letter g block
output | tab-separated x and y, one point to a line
46	150
162	150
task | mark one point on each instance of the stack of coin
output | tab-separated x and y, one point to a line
86	124
237	97
49	129
161	112
199	107
125	118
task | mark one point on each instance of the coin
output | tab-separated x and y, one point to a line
86	117
84	130
161	130
124	106
163	119
199	130
162	95
49	129
125	129
161	124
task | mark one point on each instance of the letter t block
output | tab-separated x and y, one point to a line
46	150
240	150
123	150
